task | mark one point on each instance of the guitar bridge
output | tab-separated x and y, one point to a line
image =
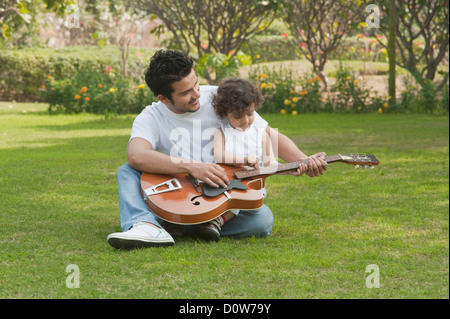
167	186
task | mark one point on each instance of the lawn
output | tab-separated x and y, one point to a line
59	202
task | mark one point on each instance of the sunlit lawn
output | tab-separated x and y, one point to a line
59	202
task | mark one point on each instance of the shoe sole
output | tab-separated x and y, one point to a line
127	244
206	234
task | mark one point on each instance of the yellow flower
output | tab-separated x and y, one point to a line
356	81
385	105
263	75
43	86
380	110
294	112
349	77
295	99
141	86
111	90
283	112
77	97
263	85
49	76
53	89
287	102
258	56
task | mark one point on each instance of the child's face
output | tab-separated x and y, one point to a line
244	121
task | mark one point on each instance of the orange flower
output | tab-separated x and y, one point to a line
77	97
303	93
87	98
99	86
83	89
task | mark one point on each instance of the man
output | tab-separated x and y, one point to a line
174	136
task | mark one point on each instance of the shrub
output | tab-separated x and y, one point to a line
22	71
267	48
349	96
98	93
277	87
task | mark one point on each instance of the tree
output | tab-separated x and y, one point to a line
422	36
211	26
15	14
318	26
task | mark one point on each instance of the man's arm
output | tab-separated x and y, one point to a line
289	152
142	157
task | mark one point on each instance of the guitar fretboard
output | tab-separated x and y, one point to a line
278	168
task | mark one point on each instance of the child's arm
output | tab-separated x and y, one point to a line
221	156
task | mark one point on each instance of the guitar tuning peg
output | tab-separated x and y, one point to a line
363	166
371	167
356	166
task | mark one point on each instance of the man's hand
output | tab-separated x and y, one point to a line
211	174
316	166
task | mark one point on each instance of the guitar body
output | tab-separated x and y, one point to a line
176	199
181	199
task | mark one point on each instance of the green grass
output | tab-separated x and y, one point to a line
59	202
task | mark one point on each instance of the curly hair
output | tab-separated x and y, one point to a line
166	67
236	95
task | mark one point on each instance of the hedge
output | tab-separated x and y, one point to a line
23	72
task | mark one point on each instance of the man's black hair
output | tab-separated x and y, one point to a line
166	67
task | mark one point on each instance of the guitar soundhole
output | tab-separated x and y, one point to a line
196	203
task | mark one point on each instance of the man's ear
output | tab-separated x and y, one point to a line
163	99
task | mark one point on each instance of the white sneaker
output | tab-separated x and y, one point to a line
139	236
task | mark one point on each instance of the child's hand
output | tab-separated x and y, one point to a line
251	161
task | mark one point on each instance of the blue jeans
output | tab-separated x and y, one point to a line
133	210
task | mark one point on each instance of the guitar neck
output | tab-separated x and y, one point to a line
280	168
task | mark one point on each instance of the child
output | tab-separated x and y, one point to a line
239	141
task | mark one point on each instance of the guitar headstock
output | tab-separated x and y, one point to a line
359	159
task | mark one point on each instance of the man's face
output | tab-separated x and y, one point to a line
185	95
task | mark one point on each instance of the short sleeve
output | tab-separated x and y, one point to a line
146	126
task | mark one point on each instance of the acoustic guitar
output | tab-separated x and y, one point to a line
183	199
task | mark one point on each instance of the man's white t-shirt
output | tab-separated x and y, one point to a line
188	135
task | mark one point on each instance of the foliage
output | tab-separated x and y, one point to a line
349	96
96	92
286	95
22	71
318	27
211	27
277	87
422	37
220	65
423	98
264	48
18	18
